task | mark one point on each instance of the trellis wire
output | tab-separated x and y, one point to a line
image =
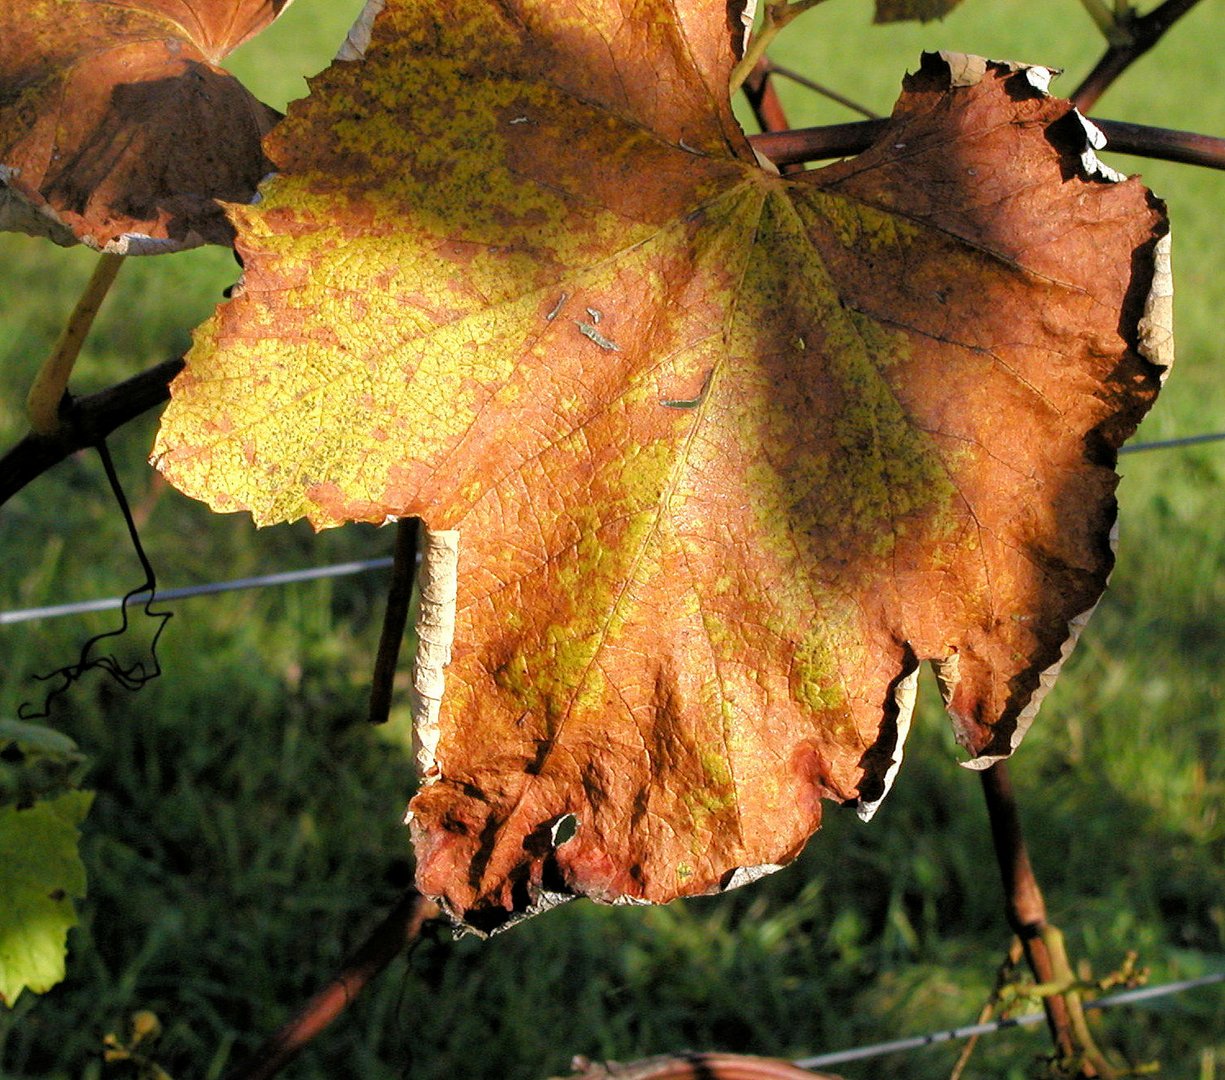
1166	444
915	1042
290	577
837	1057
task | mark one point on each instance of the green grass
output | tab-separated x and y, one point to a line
245	835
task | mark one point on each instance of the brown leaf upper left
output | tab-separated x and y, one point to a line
117	123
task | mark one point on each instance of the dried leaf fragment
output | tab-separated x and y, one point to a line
678	630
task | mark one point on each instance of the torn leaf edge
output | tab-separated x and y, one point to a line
437	586
904	695
1155	331
357	40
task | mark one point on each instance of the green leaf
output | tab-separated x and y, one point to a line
40	875
36	762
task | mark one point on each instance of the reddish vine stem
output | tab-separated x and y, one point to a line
1164	144
1024	905
51	383
395	618
763	100
401	927
85	422
1143	32
844	140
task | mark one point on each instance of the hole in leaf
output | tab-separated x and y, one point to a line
563	829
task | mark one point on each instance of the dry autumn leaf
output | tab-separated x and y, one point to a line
119	127
728	453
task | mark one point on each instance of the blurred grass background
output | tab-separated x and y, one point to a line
245	836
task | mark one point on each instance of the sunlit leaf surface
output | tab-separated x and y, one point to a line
729	453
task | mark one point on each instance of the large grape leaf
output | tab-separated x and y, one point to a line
728	453
40	876
118	127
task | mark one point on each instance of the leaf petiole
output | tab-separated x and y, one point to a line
1112	20
47	391
776	15
1101	15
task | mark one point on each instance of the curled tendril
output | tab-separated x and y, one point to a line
135	675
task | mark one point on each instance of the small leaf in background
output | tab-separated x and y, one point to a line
118	125
40	876
36	762
728	453
902	10
144	1029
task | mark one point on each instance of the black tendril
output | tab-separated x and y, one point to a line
134	676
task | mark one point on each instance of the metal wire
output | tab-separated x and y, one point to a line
54	611
346	568
288	577
1166	444
838	1057
1125	997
